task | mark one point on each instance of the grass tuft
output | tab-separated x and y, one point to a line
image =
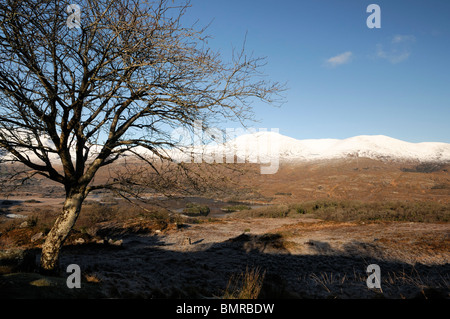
246	285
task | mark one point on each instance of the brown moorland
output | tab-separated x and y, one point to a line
309	231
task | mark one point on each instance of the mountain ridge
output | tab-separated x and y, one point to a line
265	147
371	146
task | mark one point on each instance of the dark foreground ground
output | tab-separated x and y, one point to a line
289	258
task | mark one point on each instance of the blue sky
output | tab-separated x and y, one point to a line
343	78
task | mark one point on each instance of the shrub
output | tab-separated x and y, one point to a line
386	211
424	168
235	208
194	210
357	211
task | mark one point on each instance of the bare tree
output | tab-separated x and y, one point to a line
74	100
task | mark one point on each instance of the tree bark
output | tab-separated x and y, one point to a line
58	234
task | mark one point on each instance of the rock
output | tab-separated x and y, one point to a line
37	236
115	242
24	225
15	216
79	241
100	241
14	260
43	282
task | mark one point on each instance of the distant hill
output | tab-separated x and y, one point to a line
265	145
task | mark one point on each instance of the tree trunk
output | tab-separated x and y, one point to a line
58	234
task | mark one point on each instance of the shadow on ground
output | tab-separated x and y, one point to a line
145	267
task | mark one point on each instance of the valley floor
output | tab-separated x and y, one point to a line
299	253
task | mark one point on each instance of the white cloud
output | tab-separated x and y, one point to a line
399	49
339	59
403	38
393	56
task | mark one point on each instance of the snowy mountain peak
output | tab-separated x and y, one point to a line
272	147
370	146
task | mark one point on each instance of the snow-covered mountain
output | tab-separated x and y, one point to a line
270	147
264	146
